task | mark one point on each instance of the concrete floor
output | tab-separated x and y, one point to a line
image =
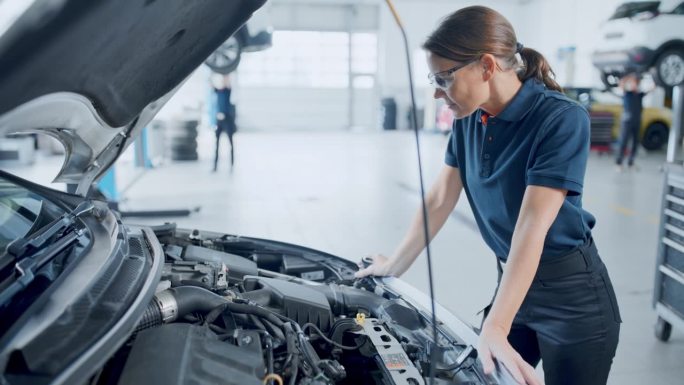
353	194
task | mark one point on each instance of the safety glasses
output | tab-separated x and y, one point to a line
443	79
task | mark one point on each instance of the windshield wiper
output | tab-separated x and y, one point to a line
32	253
19	247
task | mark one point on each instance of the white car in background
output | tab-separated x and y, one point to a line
640	36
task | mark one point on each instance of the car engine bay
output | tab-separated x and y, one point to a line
236	310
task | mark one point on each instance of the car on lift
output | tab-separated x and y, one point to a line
255	35
643	36
605	111
88	299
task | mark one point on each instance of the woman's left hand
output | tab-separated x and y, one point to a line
493	344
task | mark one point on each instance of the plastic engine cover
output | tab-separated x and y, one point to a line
187	354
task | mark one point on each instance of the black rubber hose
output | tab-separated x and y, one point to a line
257	311
342	326
268	342
256	321
195	299
292	349
347	300
191	299
273	330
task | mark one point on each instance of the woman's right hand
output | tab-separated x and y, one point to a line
381	266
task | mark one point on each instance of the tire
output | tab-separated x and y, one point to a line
669	68
655	136
185	157
184	149
610	80
663	330
226	57
182	141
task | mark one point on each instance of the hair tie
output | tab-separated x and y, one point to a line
518	47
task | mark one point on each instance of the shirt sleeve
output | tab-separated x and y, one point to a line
559	157
450	157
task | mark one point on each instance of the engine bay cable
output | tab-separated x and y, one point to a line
328	340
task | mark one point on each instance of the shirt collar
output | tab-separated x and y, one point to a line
522	102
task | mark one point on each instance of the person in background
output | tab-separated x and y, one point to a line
225	117
631	118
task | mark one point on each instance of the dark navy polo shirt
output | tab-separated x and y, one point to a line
541	138
632	106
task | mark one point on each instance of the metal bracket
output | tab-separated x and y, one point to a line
392	357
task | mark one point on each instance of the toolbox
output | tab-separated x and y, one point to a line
668	293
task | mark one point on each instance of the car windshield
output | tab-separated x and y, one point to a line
22	212
632	9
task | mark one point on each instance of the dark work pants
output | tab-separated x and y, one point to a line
570	320
629	132
229	129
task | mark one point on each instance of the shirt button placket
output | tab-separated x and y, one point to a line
486	169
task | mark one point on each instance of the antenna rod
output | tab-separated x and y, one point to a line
414	120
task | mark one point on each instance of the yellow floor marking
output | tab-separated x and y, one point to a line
624	210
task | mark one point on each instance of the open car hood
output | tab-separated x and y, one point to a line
92	74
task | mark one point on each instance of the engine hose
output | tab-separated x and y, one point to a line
295	369
268	343
171	304
273	330
191	299
257	322
347	300
257	311
151	317
292	350
342	326
307	350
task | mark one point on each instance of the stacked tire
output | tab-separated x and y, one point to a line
182	140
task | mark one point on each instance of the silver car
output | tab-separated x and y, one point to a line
87	299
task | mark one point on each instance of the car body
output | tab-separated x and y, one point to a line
605	111
88	299
641	36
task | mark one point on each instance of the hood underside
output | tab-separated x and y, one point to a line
97	72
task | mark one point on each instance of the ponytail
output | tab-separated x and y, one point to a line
536	66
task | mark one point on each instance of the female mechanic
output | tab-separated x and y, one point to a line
518	149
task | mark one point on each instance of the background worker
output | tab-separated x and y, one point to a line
225	117
630	122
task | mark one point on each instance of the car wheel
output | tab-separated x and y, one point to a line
663	330
655	136
610	79
669	68
226	57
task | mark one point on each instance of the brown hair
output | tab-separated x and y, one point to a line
471	32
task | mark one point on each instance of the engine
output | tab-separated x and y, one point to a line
231	310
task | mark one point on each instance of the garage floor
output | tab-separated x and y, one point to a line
353	194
